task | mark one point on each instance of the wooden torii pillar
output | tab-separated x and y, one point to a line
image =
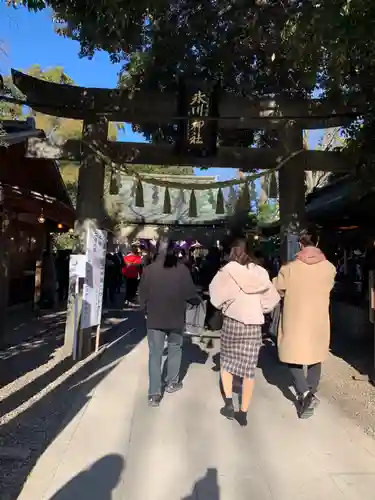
291	191
90	215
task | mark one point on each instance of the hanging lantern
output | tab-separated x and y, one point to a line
139	200
244	199
167	207
41	218
193	205
220	202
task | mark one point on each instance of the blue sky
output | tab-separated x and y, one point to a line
29	38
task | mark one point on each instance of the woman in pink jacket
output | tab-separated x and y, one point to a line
242	290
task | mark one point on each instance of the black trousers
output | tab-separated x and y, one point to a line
131	288
306	381
63	290
110	292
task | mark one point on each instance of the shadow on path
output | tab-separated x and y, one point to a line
37	426
206	488
191	353
237	381
274	372
95	483
31	347
357	353
39	351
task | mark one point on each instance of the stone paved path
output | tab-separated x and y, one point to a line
116	448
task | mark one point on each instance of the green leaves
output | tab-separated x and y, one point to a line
272	47
30	4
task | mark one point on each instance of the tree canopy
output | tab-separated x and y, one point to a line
269	46
273	45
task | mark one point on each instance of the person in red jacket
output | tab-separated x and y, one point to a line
132	271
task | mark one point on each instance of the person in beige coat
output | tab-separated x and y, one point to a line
304	330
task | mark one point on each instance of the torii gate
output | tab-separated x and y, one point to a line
236	114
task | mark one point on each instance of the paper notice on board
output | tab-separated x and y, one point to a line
93	287
77	265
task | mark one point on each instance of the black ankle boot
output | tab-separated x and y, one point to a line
228	410
242	418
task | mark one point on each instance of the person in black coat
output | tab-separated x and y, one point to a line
165	288
210	267
110	278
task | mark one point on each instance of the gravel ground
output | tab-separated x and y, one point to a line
346	387
342	384
36	405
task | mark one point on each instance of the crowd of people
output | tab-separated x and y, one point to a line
120	269
242	292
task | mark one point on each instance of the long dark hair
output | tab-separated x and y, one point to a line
170	259
242	253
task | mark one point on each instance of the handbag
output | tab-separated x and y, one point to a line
194	318
275	320
214	318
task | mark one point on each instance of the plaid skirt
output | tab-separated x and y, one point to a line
240	346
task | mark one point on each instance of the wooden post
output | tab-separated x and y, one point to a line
371	286
371	294
90	214
97	338
4	264
37	285
291	192
38	279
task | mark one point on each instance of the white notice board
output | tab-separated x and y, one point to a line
94	278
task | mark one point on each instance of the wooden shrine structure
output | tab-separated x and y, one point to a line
168	209
213	128
34	202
